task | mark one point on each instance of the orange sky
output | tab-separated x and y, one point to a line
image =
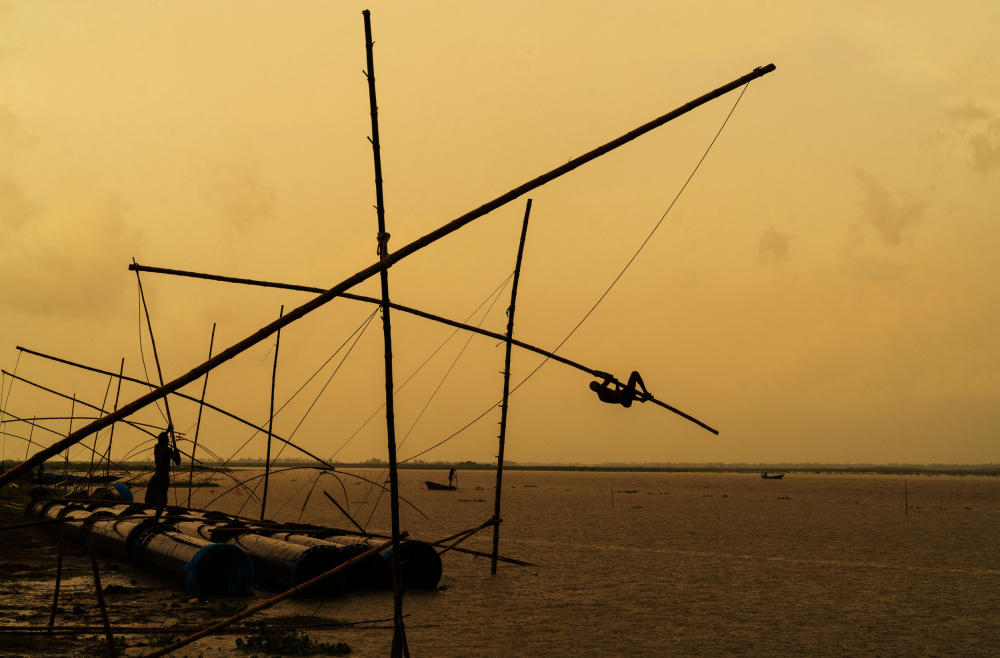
824	290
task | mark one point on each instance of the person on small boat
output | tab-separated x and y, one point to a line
156	489
452	478
623	395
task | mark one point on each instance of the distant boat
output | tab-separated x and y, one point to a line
772	477
434	486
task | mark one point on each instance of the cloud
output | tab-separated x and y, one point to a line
15	208
68	261
774	247
242	197
891	218
10	132
979	129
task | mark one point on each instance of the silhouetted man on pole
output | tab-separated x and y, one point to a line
623	395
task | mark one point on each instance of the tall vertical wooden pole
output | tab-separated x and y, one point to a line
111	438
399	647
506	391
197	427
270	421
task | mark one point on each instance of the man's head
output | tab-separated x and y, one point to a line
162	438
594	386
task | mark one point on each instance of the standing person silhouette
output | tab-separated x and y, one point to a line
156	489
452	478
623	395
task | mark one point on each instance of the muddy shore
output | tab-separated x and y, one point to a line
144	609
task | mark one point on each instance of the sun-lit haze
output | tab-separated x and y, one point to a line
825	289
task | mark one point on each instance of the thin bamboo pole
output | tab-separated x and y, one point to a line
72	412
399	647
360	298
111	439
270	420
506	391
136	630
100	595
468	534
156	358
90	473
183	396
81	402
370	271
197	427
270	602
31	433
33	424
344	511
59	561
429	316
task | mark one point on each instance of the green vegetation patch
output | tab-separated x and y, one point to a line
288	642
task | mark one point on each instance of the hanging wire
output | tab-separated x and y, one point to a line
360	328
142	353
605	294
359	333
10	388
495	295
426	361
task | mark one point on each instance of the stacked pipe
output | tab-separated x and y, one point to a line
208	568
217	554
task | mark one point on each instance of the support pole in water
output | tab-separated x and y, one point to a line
100	595
55	596
399	647
270	419
370	271
506	391
270	602
197	426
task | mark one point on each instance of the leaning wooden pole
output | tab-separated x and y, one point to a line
111	438
399	647
156	358
72	413
270	421
506	391
412	311
197	426
367	273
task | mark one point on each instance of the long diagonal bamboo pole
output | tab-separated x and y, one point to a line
365	274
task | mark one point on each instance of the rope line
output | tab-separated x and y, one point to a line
620	274
419	368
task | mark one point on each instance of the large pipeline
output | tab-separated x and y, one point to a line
217	554
420	563
208	568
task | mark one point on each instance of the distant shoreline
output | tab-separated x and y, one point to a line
979	470
984	470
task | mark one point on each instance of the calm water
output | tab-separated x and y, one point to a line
643	564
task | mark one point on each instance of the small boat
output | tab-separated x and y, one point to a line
434	486
772	477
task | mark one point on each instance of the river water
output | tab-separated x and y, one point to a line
663	564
